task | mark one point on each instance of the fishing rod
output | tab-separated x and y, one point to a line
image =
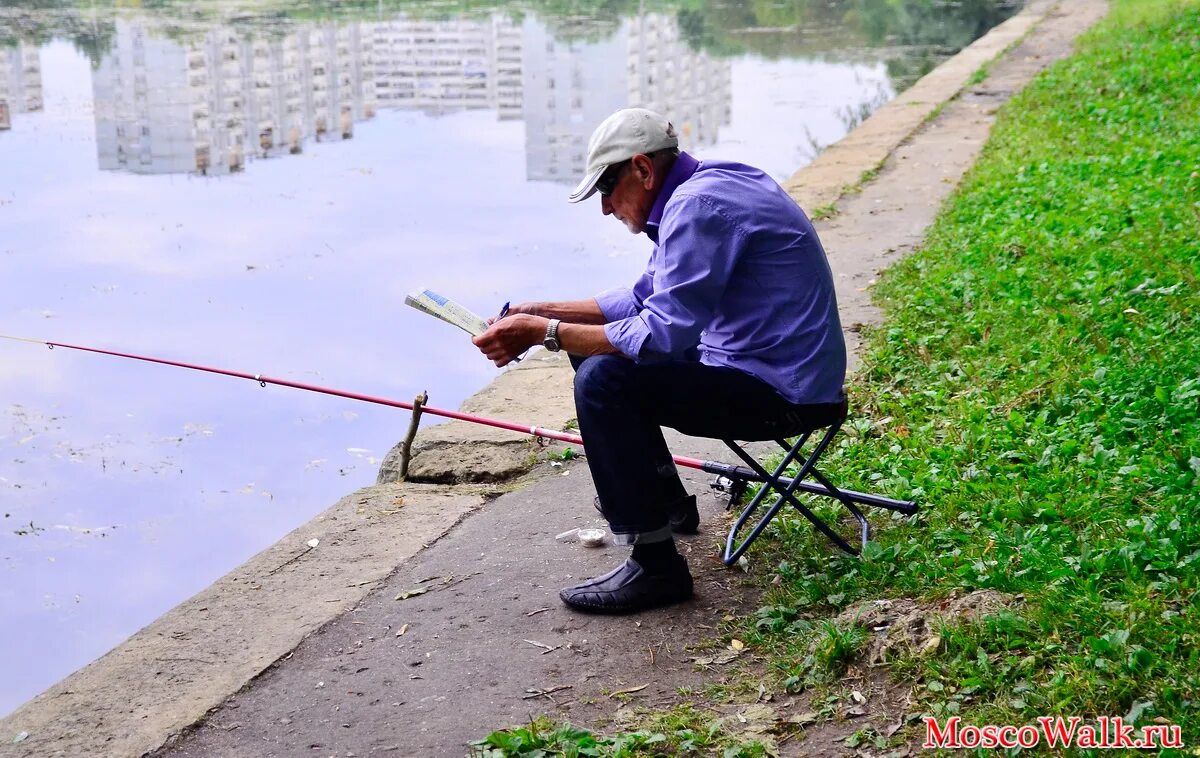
732	472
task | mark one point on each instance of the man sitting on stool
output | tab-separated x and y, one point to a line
731	332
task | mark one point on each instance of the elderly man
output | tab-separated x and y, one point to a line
731	332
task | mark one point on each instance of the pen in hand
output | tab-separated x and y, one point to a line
503	313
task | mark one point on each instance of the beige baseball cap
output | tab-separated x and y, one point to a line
621	136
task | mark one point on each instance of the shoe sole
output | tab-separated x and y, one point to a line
618	610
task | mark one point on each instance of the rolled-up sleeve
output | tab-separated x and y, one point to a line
625	302
697	251
617	303
627	335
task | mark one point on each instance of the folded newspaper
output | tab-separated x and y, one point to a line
428	301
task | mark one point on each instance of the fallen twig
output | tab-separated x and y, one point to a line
629	691
545	693
449	581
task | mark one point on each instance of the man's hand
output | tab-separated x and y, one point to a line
510	336
530	308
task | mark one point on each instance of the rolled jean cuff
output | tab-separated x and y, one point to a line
642	538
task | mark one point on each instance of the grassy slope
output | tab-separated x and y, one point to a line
1039	370
1036	385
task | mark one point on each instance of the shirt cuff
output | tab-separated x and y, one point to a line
628	335
617	304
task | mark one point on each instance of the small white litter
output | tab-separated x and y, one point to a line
592	537
586	537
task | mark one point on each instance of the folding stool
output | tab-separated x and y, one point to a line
784	490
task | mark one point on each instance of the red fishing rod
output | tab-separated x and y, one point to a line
736	473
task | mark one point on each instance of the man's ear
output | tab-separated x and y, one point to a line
643	168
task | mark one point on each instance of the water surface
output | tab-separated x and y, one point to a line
257	189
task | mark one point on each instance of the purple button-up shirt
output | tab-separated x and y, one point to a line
738	274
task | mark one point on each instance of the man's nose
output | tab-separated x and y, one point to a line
605	205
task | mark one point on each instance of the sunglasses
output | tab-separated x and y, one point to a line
608	180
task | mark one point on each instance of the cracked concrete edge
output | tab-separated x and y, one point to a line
537	391
171	673
843	165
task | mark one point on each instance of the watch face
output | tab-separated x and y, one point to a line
551	340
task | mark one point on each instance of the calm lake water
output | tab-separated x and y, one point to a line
257	189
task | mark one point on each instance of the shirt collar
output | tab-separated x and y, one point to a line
682	170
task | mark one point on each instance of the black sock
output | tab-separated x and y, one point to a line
656	557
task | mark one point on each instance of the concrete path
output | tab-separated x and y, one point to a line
315	638
425	674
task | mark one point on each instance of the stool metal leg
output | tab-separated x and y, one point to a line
846	501
740	475
785	495
732	551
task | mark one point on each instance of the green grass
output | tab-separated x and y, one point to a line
566	454
836	647
681	731
1036	387
980	74
823	212
985	70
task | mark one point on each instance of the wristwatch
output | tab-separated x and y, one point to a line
550	342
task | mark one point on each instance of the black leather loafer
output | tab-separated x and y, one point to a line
629	589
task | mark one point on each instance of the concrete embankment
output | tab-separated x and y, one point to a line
371	546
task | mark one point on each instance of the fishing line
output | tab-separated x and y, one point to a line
265	380
736	473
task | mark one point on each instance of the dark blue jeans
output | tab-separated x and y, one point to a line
622	405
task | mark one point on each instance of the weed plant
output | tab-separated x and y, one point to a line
1036	386
682	731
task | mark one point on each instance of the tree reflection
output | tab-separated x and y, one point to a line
805	28
922	32
40	21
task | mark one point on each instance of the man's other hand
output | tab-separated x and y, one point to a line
512	335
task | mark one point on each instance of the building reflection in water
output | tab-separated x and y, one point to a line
571	86
20	81
212	103
445	66
217	101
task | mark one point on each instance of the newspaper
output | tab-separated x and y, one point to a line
428	301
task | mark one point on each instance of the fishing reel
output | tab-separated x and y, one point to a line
734	487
